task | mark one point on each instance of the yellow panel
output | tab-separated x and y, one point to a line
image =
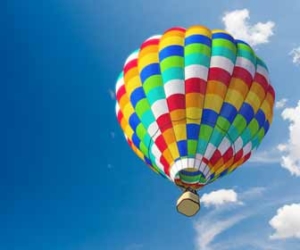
194	100
220	31
177	115
193	113
133	84
174	150
148	59
169	136
239	85
148	50
259	90
180	131
217	88
130	74
213	102
235	98
253	100
168	156
171	40
198	29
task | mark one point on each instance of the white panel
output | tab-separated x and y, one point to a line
153	129
261	70
238	144
222	62
154	37
117	108
119	83
132	56
247	148
246	64
159	108
184	163
209	151
155	151
224	145
196	71
191	163
197	163
174	87
199	157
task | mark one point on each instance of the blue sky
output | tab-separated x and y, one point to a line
69	180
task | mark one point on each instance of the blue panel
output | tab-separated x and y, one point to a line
209	117
134	121
182	147
260	117
223	173
198	39
243	42
188	173
148	161
247	112
136	141
228	111
137	95
173	50
150	70
192	131
266	126
222	35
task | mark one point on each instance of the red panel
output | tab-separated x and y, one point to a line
238	155
218	74
164	122
150	42
247	156
160	143
262	81
228	155
195	85
131	64
243	74
176	101
121	92
271	91
120	116
175	29
166	165
215	157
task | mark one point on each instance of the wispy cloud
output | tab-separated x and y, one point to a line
281	103
237	23
134	246
208	230
291	150
267	156
112	94
295	53
286	222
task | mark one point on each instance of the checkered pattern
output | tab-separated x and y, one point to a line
194	104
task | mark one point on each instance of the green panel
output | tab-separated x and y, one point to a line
223	123
141	107
172	61
192	147
197	48
152	82
219	42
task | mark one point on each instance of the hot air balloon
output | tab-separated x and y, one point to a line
194	104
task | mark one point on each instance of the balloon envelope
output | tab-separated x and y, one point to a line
194	104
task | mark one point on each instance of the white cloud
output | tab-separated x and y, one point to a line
236	23
286	222
295	53
291	158
281	103
219	197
